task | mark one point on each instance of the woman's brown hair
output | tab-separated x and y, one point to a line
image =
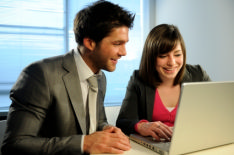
161	39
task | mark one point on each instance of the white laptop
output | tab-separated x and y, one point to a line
205	119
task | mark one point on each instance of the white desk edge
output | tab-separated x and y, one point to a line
138	149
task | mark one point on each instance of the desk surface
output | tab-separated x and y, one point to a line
140	150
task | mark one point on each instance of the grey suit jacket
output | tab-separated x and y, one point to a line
47	113
139	99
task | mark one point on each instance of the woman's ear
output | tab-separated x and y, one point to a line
89	43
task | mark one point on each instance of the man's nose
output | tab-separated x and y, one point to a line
123	51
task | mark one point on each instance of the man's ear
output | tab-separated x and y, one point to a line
89	43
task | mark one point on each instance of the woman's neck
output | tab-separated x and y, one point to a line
168	84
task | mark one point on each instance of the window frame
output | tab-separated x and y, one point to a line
147	11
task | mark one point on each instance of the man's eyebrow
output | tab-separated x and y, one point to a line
122	41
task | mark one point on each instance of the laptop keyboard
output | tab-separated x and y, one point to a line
163	144
160	147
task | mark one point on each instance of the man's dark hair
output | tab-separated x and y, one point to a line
97	21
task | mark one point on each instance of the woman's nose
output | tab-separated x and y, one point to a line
171	61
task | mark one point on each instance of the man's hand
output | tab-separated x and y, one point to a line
110	140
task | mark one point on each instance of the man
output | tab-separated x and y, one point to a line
50	98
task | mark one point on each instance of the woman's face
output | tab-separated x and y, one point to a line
169	64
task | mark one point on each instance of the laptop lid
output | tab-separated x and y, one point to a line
205	117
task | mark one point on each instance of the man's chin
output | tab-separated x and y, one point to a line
110	69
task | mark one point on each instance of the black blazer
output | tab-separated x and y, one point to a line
139	99
47	112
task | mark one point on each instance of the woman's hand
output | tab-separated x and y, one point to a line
157	130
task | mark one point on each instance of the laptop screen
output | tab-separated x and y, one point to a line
204	117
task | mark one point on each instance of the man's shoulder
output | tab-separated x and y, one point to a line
60	57
50	63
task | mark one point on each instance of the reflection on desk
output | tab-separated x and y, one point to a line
141	150
221	150
136	150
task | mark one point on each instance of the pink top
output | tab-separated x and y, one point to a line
161	113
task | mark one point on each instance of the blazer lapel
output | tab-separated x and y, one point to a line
72	83
150	102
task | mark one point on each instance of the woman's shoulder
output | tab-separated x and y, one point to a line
135	76
136	80
195	73
193	68
135	73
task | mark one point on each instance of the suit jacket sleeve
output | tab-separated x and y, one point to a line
40	119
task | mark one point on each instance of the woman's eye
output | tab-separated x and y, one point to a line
178	55
162	56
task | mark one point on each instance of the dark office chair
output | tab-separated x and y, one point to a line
2	131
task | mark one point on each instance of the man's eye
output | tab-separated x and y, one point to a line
117	44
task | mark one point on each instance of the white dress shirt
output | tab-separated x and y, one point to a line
84	72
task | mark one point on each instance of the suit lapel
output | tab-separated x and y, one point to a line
72	84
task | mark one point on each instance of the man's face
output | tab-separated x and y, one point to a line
110	49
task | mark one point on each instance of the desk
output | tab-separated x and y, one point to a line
141	150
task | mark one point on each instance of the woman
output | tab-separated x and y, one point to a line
151	101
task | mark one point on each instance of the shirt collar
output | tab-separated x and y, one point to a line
83	69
